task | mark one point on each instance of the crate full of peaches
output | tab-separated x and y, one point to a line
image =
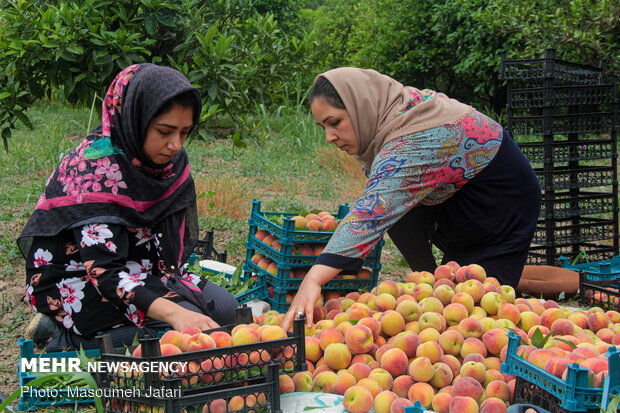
206	361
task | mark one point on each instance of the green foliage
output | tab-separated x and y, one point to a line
583	31
236	56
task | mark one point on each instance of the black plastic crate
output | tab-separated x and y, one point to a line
581	123
533	72
604	294
571	205
255	397
556	96
569	151
211	369
577	178
550	255
574	231
206	250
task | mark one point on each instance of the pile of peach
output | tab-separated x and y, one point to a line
440	338
323	221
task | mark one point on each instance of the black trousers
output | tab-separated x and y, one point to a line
490	221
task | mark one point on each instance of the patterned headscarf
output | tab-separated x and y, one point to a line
382	109
107	178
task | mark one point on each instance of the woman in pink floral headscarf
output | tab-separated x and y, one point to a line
106	243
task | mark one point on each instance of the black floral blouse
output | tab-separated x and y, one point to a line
97	276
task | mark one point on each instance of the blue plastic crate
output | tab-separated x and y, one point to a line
31	400
287	233
573	393
605	270
258	292
283	281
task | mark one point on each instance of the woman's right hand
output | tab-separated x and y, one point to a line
178	317
308	294
188	318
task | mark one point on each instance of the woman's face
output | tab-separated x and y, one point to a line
166	134
337	124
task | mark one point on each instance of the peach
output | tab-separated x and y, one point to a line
201	341
401	385
540	357
359	370
421	369
473	288
528	319
556	365
372	385
465	299
498	389
491	302
381	350
302	381
385	301
271	332
384	400
443	293
430	349
550	315
222	339
509	311
467	386
507	292
443	375
407	341
343	382
470	328
422	392
359	339
452	362
492	363
337	356
606	334
454	313
215	406
190	374
444	272
313	349
451	342
445	281
341	318
613	316
597	320
383	377
431	305
389	287
463	404
596	364
245	335
429	334
392	322
373	324
473	345
492	375
398	406
473	369
441	402
169	349
431	320
357	311
172	337
493	405
286	384
395	361
324	381
495	340
328	336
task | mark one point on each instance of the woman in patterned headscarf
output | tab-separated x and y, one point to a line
106	243
439	172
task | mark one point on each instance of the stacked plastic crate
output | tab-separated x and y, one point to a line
563	115
284	266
